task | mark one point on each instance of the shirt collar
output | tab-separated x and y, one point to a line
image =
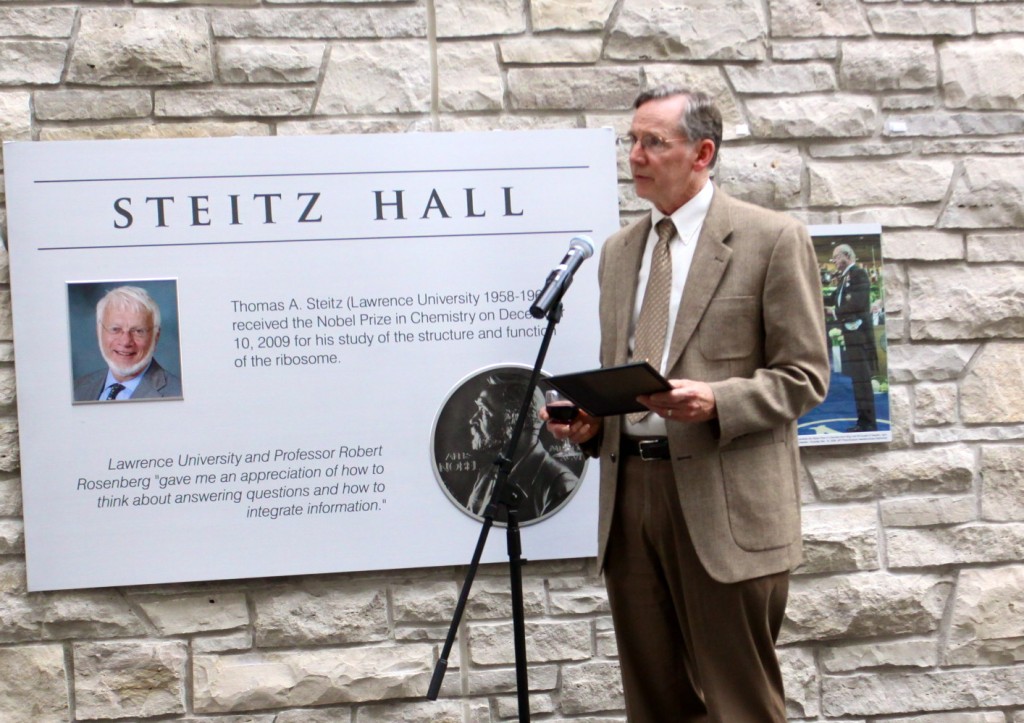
690	216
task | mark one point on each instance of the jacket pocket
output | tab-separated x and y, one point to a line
730	329
761	496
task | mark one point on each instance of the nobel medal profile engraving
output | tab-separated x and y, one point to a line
473	428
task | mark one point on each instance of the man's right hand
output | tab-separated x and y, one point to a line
582	429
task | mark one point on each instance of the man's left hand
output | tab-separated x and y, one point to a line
687	401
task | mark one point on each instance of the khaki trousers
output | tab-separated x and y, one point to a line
690	648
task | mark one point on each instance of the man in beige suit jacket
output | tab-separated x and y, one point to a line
699	503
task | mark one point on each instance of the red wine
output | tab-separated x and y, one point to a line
562	412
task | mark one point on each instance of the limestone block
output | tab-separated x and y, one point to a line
12	537
812	19
968	80
142	47
31	62
33	684
931	123
492	644
856	149
468	77
935	404
7	386
577	596
1003	18
913	653
15	118
240	102
800	674
10	497
839	539
985	395
67	105
954	717
491	598
341	714
942	469
226	683
886	693
325	126
6	324
766	175
102	613
928	511
591	687
332	23
921	20
493	681
270	62
967	302
463	18
700	29
947	435
865	605
928	362
424	601
228	643
37	22
960	545
983	247
508	706
819	116
805	50
439	711
888	65
197	129
604	633
384	77
578	16
923	245
986	626
540	51
1002	483
879	182
182	614
137	678
320	612
600	88
892	217
788	79
988	193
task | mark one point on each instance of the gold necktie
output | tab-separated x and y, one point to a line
652	325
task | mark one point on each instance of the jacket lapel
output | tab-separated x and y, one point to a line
710	260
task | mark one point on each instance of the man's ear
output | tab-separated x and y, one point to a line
705	154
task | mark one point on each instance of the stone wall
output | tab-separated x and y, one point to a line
908	113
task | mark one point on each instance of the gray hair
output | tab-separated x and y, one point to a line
701	120
132	298
847	251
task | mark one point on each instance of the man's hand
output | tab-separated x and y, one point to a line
580	430
687	401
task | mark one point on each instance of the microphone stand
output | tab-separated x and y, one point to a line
507	496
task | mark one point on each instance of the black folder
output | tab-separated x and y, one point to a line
610	390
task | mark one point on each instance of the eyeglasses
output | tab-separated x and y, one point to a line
649	142
137	333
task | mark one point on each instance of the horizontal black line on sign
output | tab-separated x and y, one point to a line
311	174
316	240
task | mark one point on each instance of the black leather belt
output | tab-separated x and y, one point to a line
646	449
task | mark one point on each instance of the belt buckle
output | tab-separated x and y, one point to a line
644	444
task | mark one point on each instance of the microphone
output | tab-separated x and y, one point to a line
580	249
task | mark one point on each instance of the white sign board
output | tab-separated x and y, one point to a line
324	301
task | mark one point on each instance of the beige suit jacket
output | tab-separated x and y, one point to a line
750	323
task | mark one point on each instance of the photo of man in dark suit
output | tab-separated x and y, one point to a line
699	517
850	306
128	330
